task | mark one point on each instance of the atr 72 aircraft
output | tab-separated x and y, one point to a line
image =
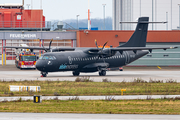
95	59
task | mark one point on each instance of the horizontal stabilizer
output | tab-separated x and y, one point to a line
146	22
106	52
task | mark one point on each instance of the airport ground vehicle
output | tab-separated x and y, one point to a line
25	58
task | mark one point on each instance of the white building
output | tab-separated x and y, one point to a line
122	11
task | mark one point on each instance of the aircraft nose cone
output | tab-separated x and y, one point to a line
40	65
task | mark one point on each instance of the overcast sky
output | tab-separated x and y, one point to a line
68	9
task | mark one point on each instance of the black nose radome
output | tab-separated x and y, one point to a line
40	65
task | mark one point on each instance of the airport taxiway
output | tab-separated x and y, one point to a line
71	116
9	73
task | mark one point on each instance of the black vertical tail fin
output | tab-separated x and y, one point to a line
138	39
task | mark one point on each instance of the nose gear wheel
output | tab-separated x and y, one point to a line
102	73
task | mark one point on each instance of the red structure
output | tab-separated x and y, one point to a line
86	38
14	16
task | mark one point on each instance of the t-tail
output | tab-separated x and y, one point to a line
138	39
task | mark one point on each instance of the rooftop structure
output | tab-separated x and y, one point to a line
14	17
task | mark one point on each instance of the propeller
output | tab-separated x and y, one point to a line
49	46
101	51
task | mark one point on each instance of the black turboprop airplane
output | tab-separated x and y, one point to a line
95	59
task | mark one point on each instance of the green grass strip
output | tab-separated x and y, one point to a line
157	106
61	88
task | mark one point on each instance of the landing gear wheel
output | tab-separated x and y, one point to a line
76	73
44	74
102	73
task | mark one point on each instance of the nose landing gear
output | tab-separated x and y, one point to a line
44	74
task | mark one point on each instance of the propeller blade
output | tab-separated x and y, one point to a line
104	45
50	44
43	46
96	43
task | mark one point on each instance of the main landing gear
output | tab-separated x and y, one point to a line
76	73
102	73
44	74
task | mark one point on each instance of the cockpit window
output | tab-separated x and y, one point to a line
47	58
41	57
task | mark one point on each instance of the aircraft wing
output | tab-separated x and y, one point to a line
42	48
33	48
62	49
96	51
139	48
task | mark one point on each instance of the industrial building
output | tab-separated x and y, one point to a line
19	26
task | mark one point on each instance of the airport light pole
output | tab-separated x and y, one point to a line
77	21
171	14
155	14
41	15
179	16
152	13
166	20
104	14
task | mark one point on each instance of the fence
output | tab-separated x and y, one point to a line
25	24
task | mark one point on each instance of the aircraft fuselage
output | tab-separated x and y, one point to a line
83	62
